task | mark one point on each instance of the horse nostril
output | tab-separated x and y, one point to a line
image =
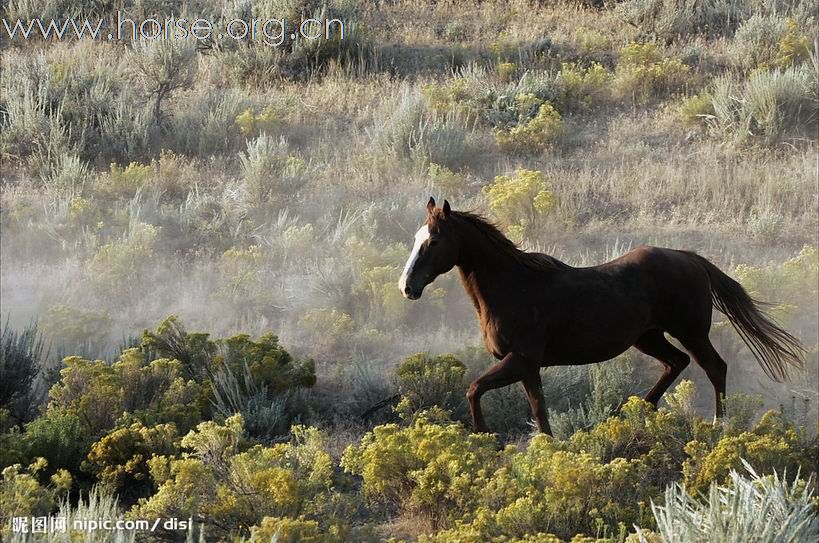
407	291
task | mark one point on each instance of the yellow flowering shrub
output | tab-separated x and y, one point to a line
232	490
120	458
521	201
792	285
771	445
434	468
794	47
583	87
643	73
240	271
694	109
121	267
445	180
452	96
535	134
506	71
125	181
296	530
22	494
330	323
252	123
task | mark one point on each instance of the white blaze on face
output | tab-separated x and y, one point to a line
420	237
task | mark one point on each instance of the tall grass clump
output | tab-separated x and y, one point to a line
443	140
268	170
66	175
756	41
21	358
206	123
396	124
769	106
265	413
676	18
757	510
342	41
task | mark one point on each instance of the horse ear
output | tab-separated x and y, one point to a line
447	209
430	204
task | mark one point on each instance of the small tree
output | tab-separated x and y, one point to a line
162	67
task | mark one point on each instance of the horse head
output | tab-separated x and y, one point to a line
434	252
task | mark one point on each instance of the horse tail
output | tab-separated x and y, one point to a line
774	348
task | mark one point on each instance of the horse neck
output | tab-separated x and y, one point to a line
485	270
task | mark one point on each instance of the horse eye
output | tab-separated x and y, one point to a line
432	242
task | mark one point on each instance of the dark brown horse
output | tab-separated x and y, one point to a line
536	311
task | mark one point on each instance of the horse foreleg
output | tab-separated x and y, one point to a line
534	391
509	370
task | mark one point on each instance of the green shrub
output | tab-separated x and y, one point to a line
445	180
266	157
396	124
61	438
442	140
329	324
122	267
268	413
241	275
205	123
791	286
74	330
694	110
162	67
426	381
269	363
381	304
66	175
609	387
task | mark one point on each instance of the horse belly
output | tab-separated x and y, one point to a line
569	352
589	337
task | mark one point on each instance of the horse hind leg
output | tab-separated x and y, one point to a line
715	368
655	345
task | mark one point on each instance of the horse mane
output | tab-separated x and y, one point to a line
533	261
